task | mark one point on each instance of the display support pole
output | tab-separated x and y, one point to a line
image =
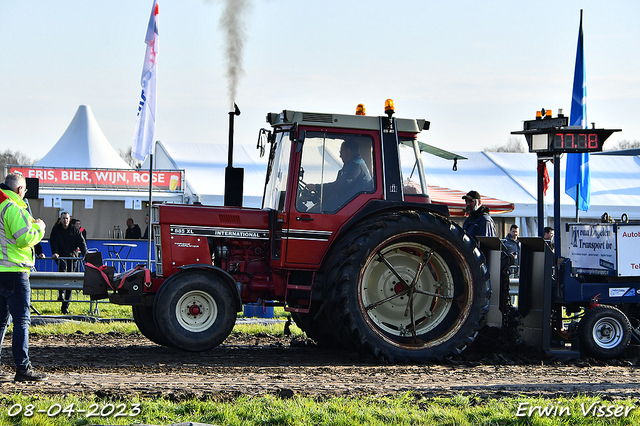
556	208
541	164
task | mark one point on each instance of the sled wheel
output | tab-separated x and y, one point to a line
604	332
410	287
143	317
195	311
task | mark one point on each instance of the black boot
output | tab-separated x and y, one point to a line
29	375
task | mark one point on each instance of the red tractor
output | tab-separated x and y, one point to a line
346	240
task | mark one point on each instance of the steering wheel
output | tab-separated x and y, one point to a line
306	194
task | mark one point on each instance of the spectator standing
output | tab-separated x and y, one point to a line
548	236
512	243
20	233
145	236
133	230
78	224
65	241
478	222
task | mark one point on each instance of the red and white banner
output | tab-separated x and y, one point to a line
103	179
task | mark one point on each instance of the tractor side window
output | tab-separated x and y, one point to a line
411	180
334	169
276	188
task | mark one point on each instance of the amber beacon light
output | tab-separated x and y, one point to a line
389	107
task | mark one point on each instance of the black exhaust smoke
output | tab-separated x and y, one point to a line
233	177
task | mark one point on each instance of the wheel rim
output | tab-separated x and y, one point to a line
196	311
406	290
608	333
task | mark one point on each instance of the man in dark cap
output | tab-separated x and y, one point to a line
478	222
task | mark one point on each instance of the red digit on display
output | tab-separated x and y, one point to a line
558	141
569	141
582	141
593	141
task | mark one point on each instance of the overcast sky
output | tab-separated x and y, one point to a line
475	69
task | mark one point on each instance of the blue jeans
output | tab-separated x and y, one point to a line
15	299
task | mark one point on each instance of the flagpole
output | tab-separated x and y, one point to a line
577	204
149	225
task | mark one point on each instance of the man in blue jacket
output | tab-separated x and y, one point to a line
478	222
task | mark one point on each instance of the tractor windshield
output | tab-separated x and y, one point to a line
277	172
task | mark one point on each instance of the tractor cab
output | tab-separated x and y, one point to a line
324	169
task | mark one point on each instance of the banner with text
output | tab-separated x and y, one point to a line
628	257
103	179
592	249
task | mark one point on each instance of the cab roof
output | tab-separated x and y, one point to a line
364	122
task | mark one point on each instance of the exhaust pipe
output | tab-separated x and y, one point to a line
233	177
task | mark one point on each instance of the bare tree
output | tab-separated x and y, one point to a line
16	158
126	156
514	145
623	144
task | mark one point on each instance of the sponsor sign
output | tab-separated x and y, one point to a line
622	292
628	253
103	179
592	249
205	231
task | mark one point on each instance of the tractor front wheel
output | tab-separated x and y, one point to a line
195	311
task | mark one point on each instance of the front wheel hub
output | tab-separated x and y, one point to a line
194	310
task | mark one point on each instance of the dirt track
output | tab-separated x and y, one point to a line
118	365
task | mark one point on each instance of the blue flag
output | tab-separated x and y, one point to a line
578	176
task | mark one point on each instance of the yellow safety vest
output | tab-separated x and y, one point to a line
18	234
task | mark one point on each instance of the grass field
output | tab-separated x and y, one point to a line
404	409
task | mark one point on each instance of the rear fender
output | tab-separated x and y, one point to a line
226	278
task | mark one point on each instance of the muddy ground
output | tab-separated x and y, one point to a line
117	365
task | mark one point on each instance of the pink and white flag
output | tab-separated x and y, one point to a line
146	122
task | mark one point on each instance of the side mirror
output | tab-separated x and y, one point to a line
264	137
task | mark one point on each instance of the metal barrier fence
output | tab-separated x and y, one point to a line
49	264
46	281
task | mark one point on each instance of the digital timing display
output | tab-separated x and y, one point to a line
548	136
579	142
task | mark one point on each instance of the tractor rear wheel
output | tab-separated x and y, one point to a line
143	317
604	332
409	287
195	311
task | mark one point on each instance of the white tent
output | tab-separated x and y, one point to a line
615	182
83	145
83	148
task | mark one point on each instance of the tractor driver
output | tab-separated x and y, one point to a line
354	177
